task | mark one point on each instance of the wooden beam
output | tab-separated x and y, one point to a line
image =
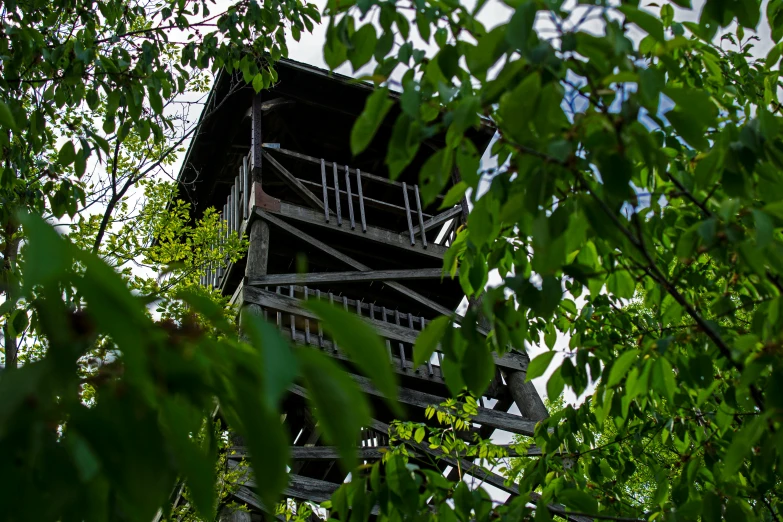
348	277
432	305
375	234
511	360
257	113
500	420
439	219
294	183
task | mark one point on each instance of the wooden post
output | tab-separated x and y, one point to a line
256	139
526	397
258	253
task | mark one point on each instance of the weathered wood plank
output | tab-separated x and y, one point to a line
348	277
294	183
408	213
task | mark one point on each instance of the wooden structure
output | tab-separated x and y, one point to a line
279	168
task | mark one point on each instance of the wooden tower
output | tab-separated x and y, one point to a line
278	166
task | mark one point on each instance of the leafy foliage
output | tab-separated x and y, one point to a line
636	156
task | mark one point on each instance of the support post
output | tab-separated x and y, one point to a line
526	397
256	139
258	253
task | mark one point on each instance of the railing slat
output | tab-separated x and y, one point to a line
337	195
350	196
408	212
388	342
402	348
246	181
323	185
320	328
361	199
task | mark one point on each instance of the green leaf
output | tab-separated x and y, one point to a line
454	195
429	338
663	379
520	27
364	347
363	40
156	102
621	365
538	366
7	118
376	108
261	430
340	406
478	368
198	466
647	22
419	435
279	367
578	501
67	154
555	384
621	283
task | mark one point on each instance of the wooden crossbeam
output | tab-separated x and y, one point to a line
374	234
294	183
347	277
439	219
292	305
